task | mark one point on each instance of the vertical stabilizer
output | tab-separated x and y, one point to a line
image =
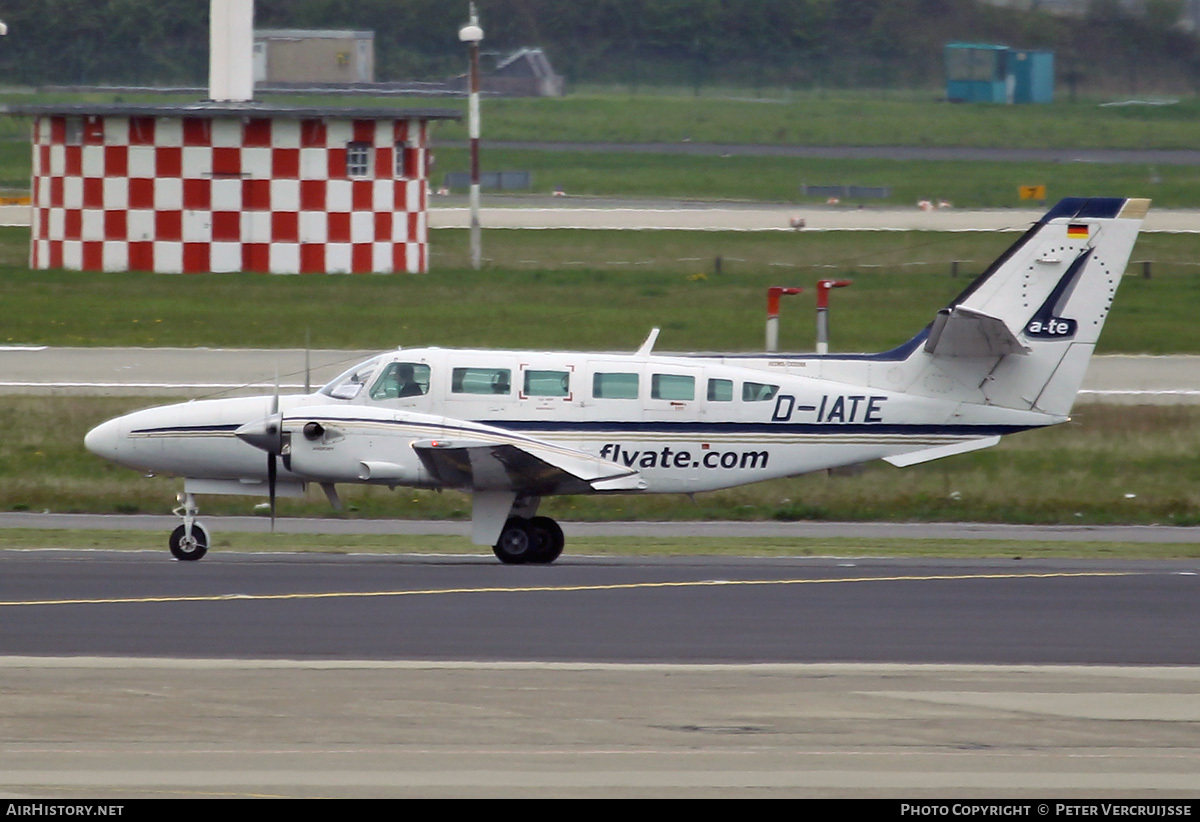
1027	327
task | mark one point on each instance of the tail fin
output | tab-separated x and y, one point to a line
1040	307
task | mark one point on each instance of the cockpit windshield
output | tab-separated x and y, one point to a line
348	385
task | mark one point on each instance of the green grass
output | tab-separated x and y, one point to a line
608	288
36	539
1111	464
845	119
804	118
779	179
827	120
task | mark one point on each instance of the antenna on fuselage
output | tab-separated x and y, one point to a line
644	351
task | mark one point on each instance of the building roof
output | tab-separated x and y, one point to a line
215	110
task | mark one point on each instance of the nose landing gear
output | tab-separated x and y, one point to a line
189	542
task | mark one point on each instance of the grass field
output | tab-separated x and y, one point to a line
1111	464
844	119
608	288
779	179
800	118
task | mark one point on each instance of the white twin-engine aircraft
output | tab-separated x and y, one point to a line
512	427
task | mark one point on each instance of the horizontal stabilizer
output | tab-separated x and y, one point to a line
937	452
527	469
959	331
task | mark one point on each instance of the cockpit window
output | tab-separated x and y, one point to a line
758	392
348	384
401	379
481	381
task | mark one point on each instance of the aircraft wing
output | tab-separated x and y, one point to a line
963	332
528	468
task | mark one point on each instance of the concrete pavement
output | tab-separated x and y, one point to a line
199	372
588	213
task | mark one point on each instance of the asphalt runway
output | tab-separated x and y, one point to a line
600	610
164	524
129	675
203	372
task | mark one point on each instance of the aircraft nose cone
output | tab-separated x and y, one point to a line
105	440
266	433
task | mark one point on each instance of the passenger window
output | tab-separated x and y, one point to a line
672	387
401	379
547	383
758	392
481	381
615	386
720	390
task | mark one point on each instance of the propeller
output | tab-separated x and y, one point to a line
307	361
273	455
267	434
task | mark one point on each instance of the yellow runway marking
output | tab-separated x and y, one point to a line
625	586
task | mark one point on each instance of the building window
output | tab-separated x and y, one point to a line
358	159
74	131
407	158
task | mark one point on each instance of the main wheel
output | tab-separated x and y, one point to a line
189	548
518	542
550	540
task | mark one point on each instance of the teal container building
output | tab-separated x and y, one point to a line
984	73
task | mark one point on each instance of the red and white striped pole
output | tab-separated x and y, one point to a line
823	287
471	34
773	295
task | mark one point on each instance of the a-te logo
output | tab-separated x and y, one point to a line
1052	328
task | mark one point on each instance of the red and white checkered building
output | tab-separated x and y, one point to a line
230	187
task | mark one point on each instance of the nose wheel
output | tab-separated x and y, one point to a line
189	542
189	547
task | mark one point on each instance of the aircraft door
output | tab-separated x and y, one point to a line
613	391
673	393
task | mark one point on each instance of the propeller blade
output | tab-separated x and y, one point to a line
307	363
272	471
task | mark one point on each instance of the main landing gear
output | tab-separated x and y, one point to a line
189	541
532	540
